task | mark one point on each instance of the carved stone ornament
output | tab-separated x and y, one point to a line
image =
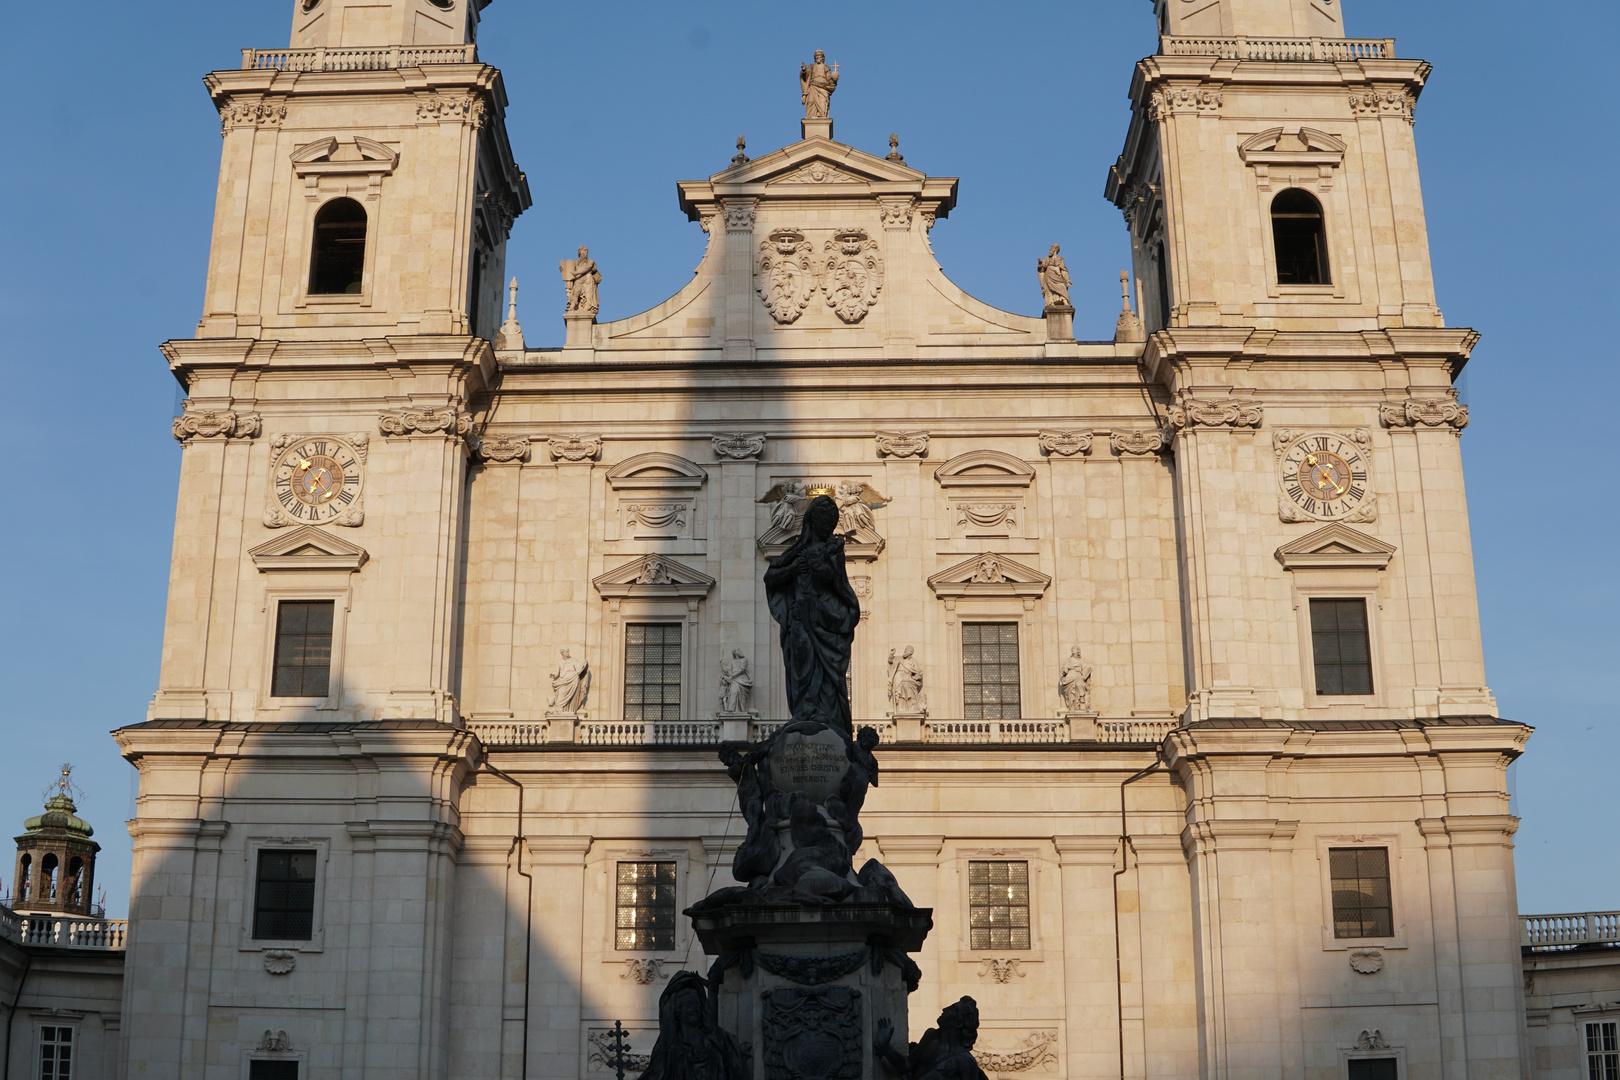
981	516
664	519
503	449
787	276
252	115
448	421
739	215
604	1058
812	970
902	444
644	970
739	446
1002	971
1367	961
813	1034
896	213
469	109
575	447
817	172
1185	99
1433	412
280	961
1137	443
274	1042
1038	1051
1228	413
1372	1040
852	275
217	425
1397	102
1065	443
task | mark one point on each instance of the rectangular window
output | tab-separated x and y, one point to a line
652	672
1602	1052
998	905
303	648
1341	647
273	1070
646	903
990	671
56	1053
1361	899
1373	1069
284	899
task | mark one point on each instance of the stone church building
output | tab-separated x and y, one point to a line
1171	639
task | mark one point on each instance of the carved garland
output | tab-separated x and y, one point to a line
1039	1051
217	425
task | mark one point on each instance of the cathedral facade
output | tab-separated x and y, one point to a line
1171	640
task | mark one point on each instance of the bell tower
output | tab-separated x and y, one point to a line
349	24
56	859
1250	18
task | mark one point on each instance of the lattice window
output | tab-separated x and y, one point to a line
990	671
652	672
1359	878
1602	1051
998	905
56	1053
273	1070
646	906
1340	647
1374	1069
284	899
303	648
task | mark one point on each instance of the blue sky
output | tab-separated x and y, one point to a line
109	184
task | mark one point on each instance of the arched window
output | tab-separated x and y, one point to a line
47	880
337	262
25	876
75	882
1300	239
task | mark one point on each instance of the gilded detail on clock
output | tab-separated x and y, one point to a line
1325	476
316	481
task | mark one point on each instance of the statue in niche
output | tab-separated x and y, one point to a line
1055	283
570	684
943	1053
736	684
905	684
816	608
817	82
580	278
691	1043
1074	683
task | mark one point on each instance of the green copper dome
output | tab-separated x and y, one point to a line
59	817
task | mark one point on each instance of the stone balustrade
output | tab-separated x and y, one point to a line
508	735
1552	932
63	931
1281	50
377	58
513	735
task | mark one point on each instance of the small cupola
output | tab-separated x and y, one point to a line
56	859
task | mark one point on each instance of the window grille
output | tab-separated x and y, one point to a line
56	1053
990	671
1341	648
1300	239
303	664
646	906
998	905
1359	878
1373	1069
652	672
284	899
1602	1052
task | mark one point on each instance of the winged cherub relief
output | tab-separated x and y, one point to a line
856	500
787	280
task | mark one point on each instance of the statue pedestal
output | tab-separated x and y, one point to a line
735	726
1082	725
562	727
581	326
817	128
908	727
807	984
1060	323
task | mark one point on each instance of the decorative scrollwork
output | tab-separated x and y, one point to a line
575	447
1001	970
503	449
1137	443
217	425
902	444
1433	412
1039	1050
739	446
1065	443
644	970
1229	413
852	275
448	421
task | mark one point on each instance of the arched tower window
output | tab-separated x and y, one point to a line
47	880
74	892
1301	240
25	876
337	261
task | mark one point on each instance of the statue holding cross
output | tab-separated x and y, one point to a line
817	81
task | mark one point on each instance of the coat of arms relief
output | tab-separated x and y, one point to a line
849	274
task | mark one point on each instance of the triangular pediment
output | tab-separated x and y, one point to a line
1279	146
308	548
653	577
989	575
1336	547
837	164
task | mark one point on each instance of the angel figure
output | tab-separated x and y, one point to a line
787	502
855	504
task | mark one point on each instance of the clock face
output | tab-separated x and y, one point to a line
316	480
1325	475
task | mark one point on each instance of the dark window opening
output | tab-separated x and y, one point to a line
273	1070
998	905
1341	648
990	671
1164	285
75	883
284	898
55	1053
303	649
475	301
652	672
25	876
646	906
1300	239
337	263
1359	879
47	879
1373	1069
